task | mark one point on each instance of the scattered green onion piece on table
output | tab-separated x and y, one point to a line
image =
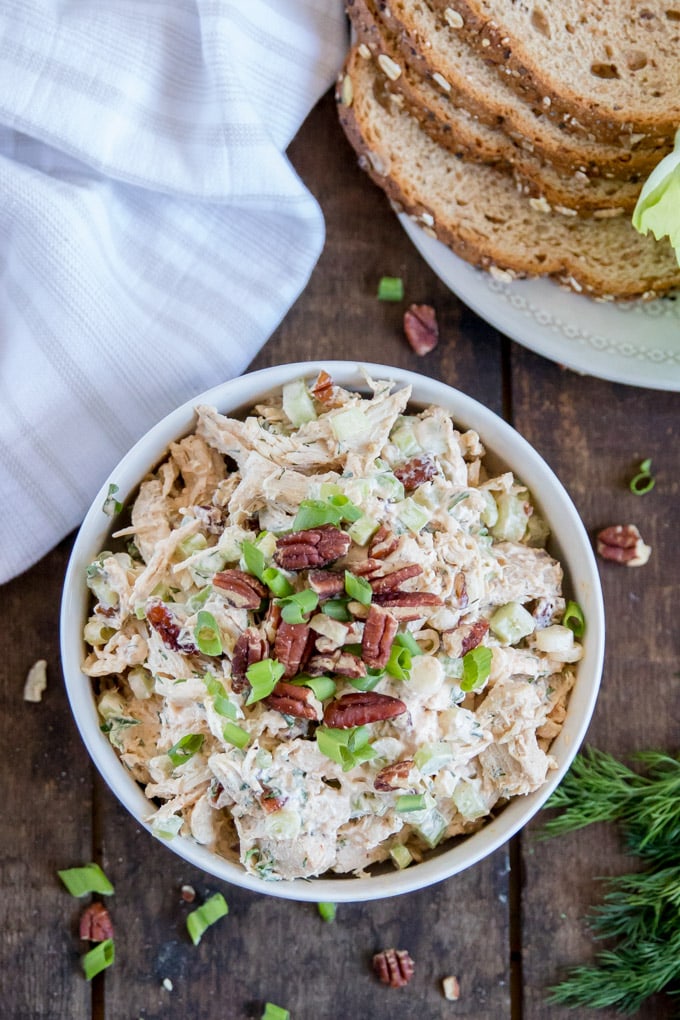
98	958
185	748
476	668
390	288
263	677
296	608
274	1012
644	481
235	735
88	879
207	633
199	920
410	802
327	911
574	619
358	588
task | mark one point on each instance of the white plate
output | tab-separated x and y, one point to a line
636	342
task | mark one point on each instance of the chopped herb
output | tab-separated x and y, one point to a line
476	668
644	481
111	506
277	582
185	748
88	879
390	288
199	920
263	677
253	557
358	588
574	619
98	958
207	633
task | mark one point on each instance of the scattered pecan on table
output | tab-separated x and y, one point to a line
95	923
360	708
622	543
394	967
313	547
421	329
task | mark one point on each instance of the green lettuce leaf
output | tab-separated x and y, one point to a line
658	207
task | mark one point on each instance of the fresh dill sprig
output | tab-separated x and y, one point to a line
637	905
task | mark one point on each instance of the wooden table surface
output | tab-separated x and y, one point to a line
508	927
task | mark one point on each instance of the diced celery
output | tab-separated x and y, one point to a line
97	631
141	682
512	518
362	529
191	544
431	827
404	438
297	403
431	757
349	423
387	486
111	704
283	824
167	828
401	856
489	514
469	801
511	623
537	533
411	515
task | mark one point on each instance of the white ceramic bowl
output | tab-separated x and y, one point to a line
569	543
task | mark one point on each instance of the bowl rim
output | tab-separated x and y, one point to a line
510	447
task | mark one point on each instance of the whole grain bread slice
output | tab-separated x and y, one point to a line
478	211
452	126
612	65
439	52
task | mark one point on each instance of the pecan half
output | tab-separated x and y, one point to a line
622	543
416	471
343	663
379	632
473	636
408	605
360	708
394	967
95	923
293	643
383	543
326	583
251	647
394	580
240	589
165	624
421	329
367	568
314	547
394	776
290	699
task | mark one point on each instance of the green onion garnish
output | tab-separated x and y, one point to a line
399	662
277	582
322	686
207	634
644	480
88	879
358	588
111	506
476	668
296	608
185	748
235	735
337	610
390	288
221	701
98	958
199	920
574	619
274	1012
368	682
313	513
253	558
347	747
410	802
263	677
407	640
327	911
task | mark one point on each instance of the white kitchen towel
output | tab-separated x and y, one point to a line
152	231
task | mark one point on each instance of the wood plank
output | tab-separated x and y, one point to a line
46	809
594	434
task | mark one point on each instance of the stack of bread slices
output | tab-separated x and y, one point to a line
520	132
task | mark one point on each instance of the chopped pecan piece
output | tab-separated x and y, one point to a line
474	635
421	329
293	643
379	632
326	583
165	624
269	801
367	568
394	580
394	776
361	708
394	967
314	547
408	605
240	589
343	663
271	621
212	518
460	590
95	923
622	543
292	700
416	471
383	543
324	390
251	647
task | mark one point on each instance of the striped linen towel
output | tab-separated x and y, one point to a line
152	231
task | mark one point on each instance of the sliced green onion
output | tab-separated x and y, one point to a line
574	619
358	588
111	506
221	701
98	958
199	920
399	662
263	677
235	735
337	610
296	608
185	748
277	582
322	686
327	911
297	403
644	481
274	1012
368	682
196	602
207	634
476	668
253	559
410	802
88	879
347	747
390	288
335	509
407	640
